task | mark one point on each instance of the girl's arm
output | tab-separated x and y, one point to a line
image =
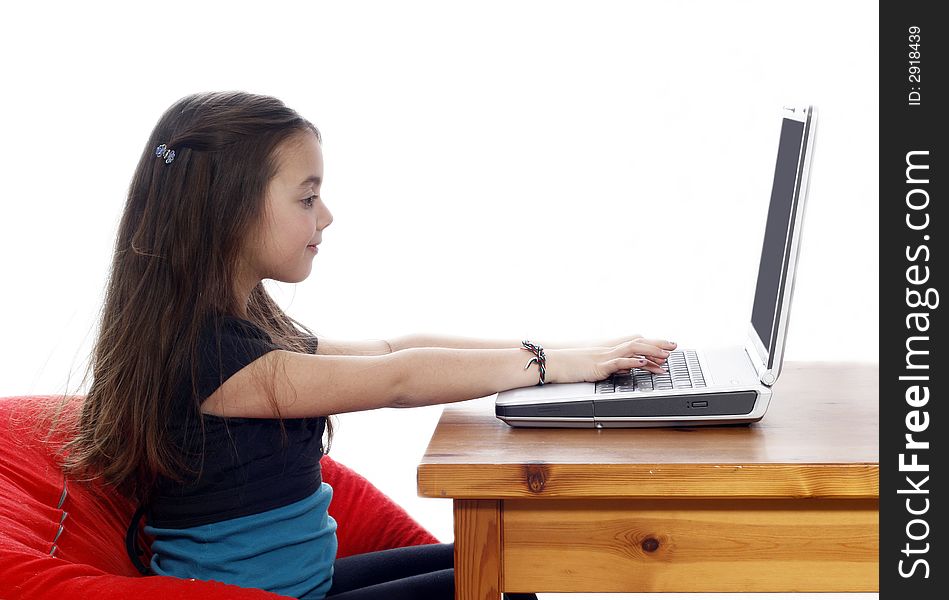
353	348
380	347
423	340
308	385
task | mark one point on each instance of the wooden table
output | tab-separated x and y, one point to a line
787	504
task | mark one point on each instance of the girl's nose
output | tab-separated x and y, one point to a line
327	217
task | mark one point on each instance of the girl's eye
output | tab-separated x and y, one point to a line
308	202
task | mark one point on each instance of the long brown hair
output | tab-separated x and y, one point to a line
174	266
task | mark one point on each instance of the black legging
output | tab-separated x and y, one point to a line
410	573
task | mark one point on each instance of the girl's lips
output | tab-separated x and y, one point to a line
314	248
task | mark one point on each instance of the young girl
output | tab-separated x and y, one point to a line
209	404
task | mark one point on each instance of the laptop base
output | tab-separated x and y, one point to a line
708	407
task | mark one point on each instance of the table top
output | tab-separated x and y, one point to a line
818	439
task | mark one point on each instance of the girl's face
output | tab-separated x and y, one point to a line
294	216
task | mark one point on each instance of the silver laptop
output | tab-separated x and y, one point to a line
715	386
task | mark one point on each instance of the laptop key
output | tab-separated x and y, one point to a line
604	387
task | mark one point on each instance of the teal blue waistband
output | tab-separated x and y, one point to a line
288	550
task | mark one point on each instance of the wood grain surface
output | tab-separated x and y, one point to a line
788	504
690	546
819	439
478	549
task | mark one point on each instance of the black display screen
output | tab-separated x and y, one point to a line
765	314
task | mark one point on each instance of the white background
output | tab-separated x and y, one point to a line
543	170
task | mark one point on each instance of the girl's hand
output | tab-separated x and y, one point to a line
636	337
573	365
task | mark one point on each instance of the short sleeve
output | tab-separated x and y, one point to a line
226	349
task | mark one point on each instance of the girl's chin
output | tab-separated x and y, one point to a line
296	278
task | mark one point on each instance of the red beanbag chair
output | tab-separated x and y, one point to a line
62	539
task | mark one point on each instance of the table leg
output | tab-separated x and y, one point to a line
477	549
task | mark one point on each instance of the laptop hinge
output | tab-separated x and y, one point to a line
760	369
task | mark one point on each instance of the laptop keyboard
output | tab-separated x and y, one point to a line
681	370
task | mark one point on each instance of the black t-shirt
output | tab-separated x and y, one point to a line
246	467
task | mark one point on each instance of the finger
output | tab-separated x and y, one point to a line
663	352
656	359
659	343
652	367
641	347
627	364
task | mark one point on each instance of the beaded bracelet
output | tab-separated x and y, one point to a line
539	357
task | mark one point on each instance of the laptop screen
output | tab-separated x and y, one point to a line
765	314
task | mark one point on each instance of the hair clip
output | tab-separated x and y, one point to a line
164	152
